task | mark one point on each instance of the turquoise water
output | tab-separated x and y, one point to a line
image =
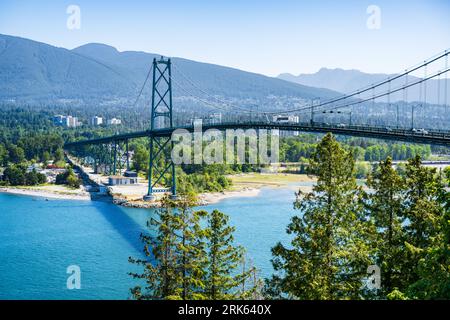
39	239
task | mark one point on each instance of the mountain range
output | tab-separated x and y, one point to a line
347	81
35	72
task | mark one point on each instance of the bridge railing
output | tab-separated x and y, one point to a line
382	131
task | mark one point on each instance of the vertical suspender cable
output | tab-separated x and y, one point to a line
425	86
389	96
446	86
439	90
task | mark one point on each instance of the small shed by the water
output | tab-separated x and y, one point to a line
120	180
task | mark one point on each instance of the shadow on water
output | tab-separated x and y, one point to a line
129	229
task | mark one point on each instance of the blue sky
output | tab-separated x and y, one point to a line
268	37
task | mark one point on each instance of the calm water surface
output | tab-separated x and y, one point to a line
39	239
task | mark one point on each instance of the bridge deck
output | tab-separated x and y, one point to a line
435	137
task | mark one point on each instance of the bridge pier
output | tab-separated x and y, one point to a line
149	197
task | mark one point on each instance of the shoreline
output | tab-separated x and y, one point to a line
215	197
246	185
45	194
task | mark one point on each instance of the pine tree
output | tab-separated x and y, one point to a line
222	279
191	249
434	266
329	254
191	262
161	269
424	213
385	204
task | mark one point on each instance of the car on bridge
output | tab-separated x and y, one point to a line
420	131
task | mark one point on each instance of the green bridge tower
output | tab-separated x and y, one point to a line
160	162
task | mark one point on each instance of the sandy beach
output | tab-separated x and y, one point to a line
50	193
214	197
244	185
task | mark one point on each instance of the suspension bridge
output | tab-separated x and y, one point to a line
392	93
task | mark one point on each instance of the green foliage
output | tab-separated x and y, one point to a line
16	154
424	212
140	159
59	155
434	266
328	255
293	149
385	207
223	259
446	172
396	295
16	175
186	260
403	227
3	155
68	178
362	169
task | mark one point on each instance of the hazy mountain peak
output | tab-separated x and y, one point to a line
346	81
97	49
96	73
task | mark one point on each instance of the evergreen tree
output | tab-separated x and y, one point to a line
190	248
221	278
424	213
161	273
188	261
434	266
385	204
329	254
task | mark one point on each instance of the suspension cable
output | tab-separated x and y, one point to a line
365	89
206	93
143	85
393	91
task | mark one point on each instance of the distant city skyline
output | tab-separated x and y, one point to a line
258	36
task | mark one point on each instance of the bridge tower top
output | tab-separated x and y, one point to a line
161	113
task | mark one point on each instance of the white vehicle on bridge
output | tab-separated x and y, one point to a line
285	119
421	131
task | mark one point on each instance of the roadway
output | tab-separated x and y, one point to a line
432	137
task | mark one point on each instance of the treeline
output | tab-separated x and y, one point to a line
388	241
17	158
17	175
293	149
399	229
190	178
191	255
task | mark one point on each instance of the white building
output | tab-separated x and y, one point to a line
96	121
114	121
73	122
66	121
121	180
